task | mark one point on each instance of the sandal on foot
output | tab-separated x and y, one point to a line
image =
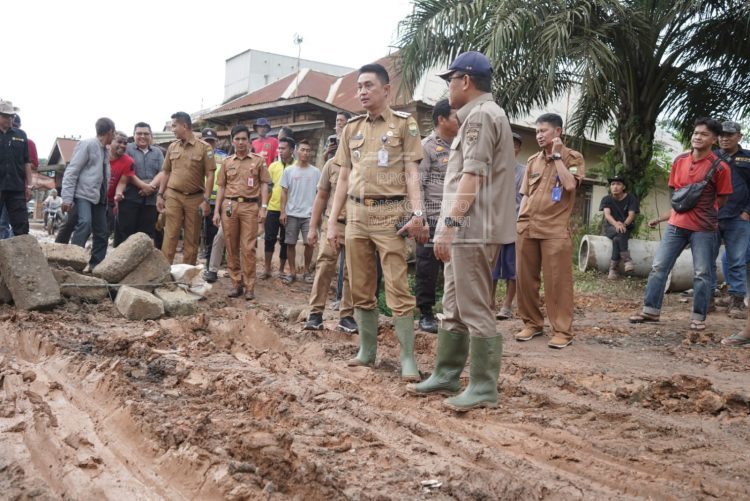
736	340
697	325
643	317
504	314
288	279
308	278
264	276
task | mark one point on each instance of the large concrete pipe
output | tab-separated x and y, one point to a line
596	250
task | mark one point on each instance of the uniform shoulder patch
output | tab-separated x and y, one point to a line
402	114
355	118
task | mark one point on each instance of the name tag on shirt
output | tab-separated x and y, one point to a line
250	182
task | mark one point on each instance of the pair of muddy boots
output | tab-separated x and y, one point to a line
367	320
627	265
484	368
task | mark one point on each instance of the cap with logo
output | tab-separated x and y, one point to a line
731	127
209	135
470	63
617	179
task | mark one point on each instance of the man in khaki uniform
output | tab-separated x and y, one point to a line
543	243
477	216
188	178
243	184
379	158
326	264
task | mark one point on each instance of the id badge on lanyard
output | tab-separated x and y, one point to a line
383	153
557	191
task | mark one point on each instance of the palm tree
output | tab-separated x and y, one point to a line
633	62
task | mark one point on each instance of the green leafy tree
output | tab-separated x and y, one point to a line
630	62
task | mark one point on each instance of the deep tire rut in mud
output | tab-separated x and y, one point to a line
239	403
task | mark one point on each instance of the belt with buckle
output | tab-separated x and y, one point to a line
244	199
377	201
186	193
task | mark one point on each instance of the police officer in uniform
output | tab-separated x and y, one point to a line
243	186
379	157
185	187
477	216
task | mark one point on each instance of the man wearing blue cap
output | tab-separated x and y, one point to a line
265	146
477	216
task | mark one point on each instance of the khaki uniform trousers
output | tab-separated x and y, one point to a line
467	307
370	229
554	258
182	210
240	232
326	268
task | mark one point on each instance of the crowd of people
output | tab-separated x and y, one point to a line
477	215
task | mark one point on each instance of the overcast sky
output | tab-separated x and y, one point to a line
67	63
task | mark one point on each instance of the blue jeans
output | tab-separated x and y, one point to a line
735	234
5	231
672	244
92	219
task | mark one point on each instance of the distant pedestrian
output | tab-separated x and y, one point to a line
15	170
274	231
265	145
620	210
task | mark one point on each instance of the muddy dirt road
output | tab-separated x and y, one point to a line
239	403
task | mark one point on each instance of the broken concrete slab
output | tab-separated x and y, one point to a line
5	295
153	270
124	258
135	304
27	274
83	287
65	255
178	302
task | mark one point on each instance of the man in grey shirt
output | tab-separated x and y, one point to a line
436	147
298	187
85	184
137	210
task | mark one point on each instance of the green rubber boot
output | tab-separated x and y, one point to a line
484	370
367	320
405	335
452	352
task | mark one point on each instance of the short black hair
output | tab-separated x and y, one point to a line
183	118
483	84
712	125
141	125
304	141
104	125
379	71
240	128
442	109
550	118
287	131
345	114
289	140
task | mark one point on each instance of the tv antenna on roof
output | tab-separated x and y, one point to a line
298	42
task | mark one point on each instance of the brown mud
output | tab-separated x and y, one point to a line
239	403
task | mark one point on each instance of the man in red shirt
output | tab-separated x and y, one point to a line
696	227
121	168
267	147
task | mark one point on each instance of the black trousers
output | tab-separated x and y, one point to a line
66	231
15	204
135	217
274	233
426	274
619	242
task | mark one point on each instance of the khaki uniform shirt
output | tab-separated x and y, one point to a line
242	177
188	163
361	140
329	177
484	147
540	216
432	171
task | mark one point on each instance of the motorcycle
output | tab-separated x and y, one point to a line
55	219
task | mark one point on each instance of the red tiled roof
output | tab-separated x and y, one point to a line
318	85
63	148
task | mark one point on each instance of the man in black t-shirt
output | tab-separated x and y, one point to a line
620	210
15	170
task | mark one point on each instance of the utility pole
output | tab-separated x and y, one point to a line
298	42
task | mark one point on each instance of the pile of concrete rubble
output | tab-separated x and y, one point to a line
136	275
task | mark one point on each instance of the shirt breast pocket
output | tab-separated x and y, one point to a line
355	149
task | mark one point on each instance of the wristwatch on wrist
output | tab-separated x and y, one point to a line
417	213
556	156
264	206
452	223
207	200
160	194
